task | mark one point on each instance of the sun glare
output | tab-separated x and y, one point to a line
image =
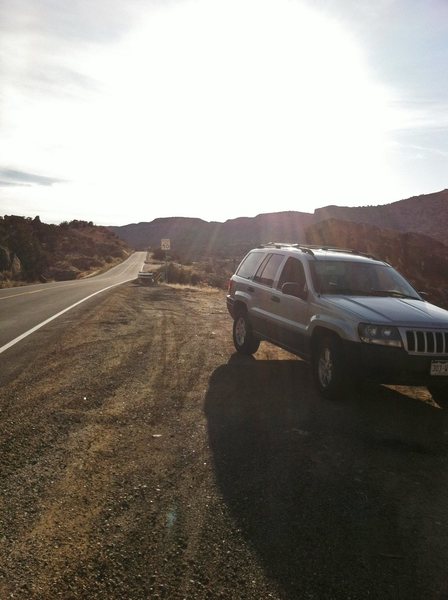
259	104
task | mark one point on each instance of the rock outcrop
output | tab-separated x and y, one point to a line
421	259
426	214
10	264
34	251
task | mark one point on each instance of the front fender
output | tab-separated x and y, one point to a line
346	330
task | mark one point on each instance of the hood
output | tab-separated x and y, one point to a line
398	311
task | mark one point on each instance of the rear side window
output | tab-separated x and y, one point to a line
268	270
250	264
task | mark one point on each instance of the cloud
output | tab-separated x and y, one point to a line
10	184
40	47
405	41
103	21
176	102
11	177
57	80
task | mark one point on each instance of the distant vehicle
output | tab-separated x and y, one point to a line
348	314
147	278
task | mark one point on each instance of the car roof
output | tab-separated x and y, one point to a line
312	253
341	255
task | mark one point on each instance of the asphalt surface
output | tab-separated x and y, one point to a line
24	308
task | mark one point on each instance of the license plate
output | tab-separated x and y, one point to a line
439	367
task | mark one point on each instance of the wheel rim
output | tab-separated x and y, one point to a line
240	331
325	367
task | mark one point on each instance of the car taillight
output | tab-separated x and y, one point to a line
230	287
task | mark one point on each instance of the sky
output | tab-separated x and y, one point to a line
122	111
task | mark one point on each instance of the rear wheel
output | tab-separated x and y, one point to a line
328	366
243	337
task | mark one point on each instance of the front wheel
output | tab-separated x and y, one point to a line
328	367
439	393
243	337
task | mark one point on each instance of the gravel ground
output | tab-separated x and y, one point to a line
141	458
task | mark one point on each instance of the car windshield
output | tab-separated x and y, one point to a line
357	278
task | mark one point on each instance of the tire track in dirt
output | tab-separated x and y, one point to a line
142	459
87	461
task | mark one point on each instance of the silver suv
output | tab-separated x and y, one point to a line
350	315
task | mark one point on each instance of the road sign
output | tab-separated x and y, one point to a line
165	244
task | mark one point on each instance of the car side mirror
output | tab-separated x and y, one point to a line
291	288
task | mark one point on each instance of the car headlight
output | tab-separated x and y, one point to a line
385	335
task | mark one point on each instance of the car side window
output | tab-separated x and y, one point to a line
292	273
268	269
250	264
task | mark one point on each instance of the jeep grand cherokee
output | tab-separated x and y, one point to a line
348	314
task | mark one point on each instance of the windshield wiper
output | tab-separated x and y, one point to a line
393	293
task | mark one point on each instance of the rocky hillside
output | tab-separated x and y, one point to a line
421	259
34	251
195	238
426	214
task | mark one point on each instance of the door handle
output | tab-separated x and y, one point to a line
250	289
275	299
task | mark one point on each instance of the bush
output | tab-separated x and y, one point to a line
85	263
158	254
214	273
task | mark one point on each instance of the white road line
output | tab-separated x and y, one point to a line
21	294
45	289
33	329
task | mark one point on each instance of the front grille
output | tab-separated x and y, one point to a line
420	341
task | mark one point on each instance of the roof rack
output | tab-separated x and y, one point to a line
349	251
278	245
308	249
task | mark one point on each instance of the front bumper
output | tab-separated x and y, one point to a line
391	365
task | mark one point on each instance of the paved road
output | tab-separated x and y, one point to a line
24	308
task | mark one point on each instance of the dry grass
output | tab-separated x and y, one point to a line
192	288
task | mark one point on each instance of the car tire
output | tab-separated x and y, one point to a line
243	338
328	367
439	393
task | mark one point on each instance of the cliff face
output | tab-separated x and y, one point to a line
426	214
193	238
421	259
9	262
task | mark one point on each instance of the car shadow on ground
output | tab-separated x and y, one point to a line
332	496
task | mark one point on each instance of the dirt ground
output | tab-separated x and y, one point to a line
141	458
